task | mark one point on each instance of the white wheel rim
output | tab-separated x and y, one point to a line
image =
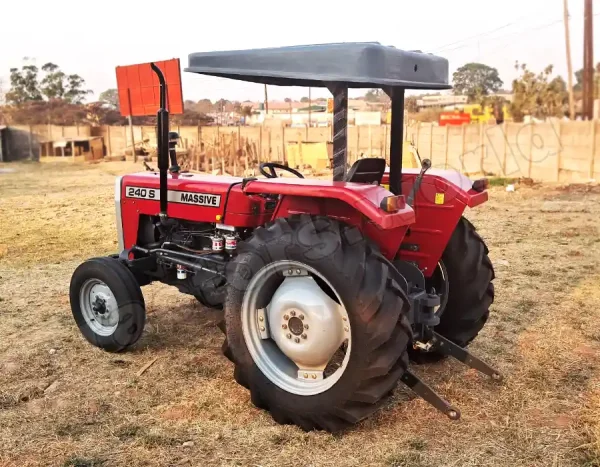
99	307
296	358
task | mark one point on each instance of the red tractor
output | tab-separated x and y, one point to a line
329	288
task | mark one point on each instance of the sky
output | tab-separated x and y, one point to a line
125	32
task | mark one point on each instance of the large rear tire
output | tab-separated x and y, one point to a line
375	306
469	290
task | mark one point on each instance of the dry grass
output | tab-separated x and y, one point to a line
65	403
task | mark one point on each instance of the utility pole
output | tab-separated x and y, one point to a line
569	64
588	62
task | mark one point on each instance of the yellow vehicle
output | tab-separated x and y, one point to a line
479	115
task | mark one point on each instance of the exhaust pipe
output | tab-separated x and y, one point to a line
162	137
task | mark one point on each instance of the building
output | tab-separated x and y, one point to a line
3	153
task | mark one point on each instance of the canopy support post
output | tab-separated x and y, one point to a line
340	130
396	138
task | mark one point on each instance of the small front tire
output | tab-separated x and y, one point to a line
107	304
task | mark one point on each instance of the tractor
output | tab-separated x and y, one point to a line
329	288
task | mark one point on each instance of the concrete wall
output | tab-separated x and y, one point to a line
553	151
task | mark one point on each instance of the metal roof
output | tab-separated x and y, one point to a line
353	64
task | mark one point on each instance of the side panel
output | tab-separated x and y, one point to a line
388	239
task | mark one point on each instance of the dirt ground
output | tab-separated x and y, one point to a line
66	403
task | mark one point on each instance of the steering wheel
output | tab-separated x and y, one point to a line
274	165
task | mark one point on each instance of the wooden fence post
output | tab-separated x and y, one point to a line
283	143
530	150
431	143
592	148
505	137
198	147
463	147
260	145
108	143
447	145
559	153
481	148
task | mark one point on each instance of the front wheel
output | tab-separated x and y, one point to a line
107	304
316	327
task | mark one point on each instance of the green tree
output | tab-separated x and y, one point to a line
304	99
538	95
24	85
287	99
476	80
110	97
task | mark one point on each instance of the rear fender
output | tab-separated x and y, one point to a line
439	204
388	240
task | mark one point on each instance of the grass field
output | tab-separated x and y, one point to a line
66	403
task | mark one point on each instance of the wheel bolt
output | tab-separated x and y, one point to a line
284	326
304	336
288	335
262	329
293	313
306	326
306	375
260	318
297	340
298	271
345	319
301	316
286	317
346	329
314	376
290	272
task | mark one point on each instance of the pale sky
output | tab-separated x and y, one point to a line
93	42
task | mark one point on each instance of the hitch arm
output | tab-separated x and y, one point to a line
448	347
429	395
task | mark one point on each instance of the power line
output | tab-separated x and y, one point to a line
441	49
543	26
518	20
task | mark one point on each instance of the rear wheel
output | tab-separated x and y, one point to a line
464	279
316	328
107	304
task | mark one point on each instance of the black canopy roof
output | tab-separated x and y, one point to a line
354	64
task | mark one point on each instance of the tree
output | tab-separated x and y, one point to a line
110	97
53	84
24	86
304	99
204	106
579	81
476	80
287	99
538	95
411	104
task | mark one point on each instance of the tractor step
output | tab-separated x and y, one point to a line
429	395
447	347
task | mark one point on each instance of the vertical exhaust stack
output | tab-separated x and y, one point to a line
162	125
